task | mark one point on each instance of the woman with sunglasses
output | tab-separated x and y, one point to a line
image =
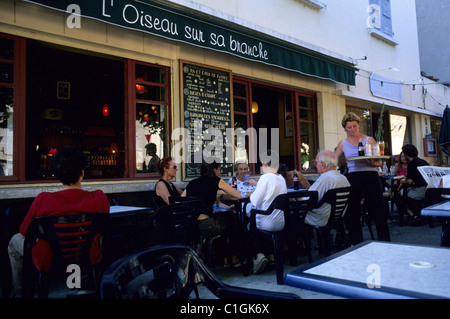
164	187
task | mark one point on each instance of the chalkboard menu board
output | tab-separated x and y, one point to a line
207	114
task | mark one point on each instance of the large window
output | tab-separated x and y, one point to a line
74	98
11	82
261	106
307	129
51	96
150	96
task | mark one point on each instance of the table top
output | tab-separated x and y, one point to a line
395	177
379	270
118	209
360	158
440	209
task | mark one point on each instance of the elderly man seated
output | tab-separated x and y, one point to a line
330	178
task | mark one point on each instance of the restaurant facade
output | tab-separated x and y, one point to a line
132	82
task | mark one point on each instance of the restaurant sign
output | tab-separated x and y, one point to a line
175	24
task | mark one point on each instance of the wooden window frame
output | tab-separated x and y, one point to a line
130	127
19	96
295	95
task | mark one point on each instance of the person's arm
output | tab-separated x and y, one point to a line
339	152
163	192
228	189
303	181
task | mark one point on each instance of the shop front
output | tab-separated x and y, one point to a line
119	78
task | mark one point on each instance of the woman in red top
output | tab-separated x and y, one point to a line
68	165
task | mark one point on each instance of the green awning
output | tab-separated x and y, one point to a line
178	25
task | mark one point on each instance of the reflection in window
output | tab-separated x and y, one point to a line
150	133
6	131
151	117
398	132
240	121
307	123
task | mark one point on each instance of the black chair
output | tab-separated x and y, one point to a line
294	207
206	242
170	272
280	202
299	203
434	196
70	238
177	223
338	199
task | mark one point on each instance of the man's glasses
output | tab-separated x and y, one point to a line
172	166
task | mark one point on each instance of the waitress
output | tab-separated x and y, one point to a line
364	181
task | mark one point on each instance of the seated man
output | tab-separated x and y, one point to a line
330	178
269	186
416	184
68	165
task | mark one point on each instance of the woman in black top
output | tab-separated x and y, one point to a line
164	187
206	187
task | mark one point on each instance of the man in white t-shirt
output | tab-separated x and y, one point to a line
330	178
269	186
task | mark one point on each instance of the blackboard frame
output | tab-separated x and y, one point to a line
227	168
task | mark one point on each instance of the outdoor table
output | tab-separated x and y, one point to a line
129	226
441	210
118	210
378	270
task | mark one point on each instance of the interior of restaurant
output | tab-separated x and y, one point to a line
74	99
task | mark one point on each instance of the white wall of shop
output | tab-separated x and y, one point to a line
340	29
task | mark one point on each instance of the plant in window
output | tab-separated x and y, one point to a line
149	118
380	130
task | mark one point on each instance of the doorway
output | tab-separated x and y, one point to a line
275	111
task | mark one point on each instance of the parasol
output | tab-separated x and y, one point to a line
444	137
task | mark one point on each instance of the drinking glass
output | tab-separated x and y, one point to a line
381	144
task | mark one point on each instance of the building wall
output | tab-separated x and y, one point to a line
434	36
339	31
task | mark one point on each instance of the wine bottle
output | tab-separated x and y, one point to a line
296	185
360	148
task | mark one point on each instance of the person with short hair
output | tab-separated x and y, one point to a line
330	178
244	187
68	165
164	188
416	184
269	186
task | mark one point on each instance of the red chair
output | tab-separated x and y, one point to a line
70	238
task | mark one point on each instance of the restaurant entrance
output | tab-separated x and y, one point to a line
275	111
74	98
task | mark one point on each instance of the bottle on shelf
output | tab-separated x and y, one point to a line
360	148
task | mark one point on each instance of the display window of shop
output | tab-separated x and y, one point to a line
11	85
116	110
74	98
259	106
149	97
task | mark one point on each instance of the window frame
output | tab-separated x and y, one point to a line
130	127
296	93
385	31
19	96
